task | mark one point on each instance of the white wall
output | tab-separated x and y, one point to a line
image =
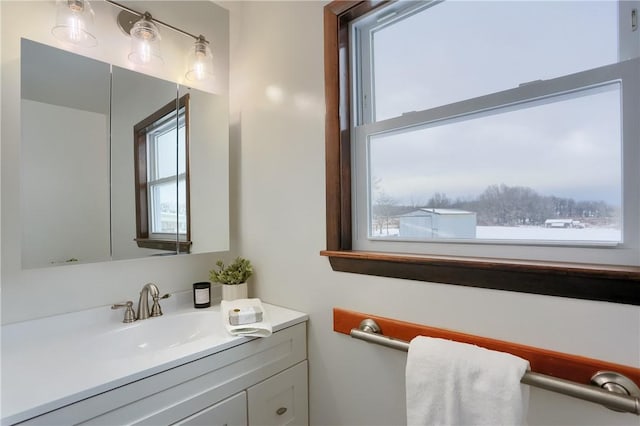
37	293
278	173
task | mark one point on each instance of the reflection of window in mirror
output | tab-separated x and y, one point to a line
162	178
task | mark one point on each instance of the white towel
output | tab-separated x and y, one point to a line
256	329
450	383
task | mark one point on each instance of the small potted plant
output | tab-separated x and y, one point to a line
233	278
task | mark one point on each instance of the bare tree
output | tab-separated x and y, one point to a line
439	200
383	210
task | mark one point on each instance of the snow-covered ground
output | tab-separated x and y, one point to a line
534	233
552	234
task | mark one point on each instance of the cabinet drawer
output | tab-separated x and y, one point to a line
230	412
281	399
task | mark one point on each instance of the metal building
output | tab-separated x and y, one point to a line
428	223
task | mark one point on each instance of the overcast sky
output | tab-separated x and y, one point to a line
458	50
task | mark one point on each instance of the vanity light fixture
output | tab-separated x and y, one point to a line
145	36
199	61
74	21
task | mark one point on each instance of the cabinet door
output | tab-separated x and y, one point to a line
281	399
230	412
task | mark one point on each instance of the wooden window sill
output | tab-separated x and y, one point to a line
169	245
618	284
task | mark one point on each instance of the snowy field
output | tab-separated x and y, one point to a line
534	233
548	234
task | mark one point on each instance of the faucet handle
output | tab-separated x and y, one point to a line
129	314
156	310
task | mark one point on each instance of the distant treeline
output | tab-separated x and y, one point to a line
502	205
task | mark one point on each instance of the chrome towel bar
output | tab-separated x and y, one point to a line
610	389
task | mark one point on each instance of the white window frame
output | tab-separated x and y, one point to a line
627	72
156	130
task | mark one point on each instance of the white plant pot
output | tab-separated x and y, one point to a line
235	291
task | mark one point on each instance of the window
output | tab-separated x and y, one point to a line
471	137
162	178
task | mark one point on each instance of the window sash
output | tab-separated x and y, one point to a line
361	29
154	132
539	92
362	109
154	213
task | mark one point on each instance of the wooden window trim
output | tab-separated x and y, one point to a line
140	162
619	284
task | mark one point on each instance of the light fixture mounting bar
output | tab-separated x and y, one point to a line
128	9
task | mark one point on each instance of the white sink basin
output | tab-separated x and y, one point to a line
52	362
157	334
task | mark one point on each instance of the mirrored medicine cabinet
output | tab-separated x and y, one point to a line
116	164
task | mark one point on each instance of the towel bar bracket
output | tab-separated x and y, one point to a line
616	383
369	325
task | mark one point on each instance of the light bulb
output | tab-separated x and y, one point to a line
76	27
73	21
200	61
199	67
141	53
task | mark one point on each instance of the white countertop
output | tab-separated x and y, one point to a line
52	362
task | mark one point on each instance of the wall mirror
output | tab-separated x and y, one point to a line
79	199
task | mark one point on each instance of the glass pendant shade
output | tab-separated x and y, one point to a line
74	23
145	42
199	61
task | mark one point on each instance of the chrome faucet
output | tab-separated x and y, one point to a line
143	303
129	315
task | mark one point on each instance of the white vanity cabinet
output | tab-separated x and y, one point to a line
230	412
259	382
281	399
278	400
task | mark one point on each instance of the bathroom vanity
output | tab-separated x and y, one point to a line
181	368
